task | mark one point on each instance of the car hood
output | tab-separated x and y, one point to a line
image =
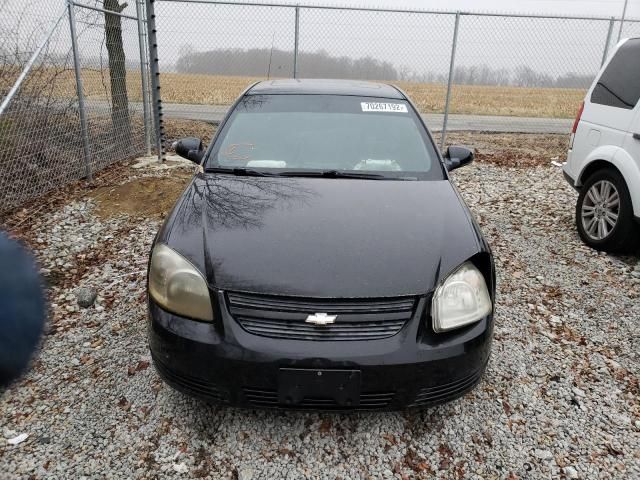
322	237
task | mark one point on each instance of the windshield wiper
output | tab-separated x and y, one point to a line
248	172
334	174
240	172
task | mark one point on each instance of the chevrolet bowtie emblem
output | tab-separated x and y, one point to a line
321	319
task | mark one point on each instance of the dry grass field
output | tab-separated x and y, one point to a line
222	90
466	99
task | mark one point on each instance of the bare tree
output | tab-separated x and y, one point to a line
117	71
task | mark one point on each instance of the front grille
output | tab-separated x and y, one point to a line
189	384
260	397
284	317
430	396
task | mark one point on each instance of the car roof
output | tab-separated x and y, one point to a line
325	87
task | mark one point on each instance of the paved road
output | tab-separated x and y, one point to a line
485	123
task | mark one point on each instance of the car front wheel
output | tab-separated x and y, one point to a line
604	214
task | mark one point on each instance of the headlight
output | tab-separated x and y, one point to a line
463	298
177	286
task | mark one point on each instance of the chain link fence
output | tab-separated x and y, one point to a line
66	114
448	62
526	66
71	80
114	85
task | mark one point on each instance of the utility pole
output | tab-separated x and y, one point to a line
624	14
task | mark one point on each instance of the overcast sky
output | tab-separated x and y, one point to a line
559	7
420	43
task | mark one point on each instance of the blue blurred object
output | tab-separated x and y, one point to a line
22	309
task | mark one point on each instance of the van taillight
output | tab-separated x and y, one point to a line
575	126
578	117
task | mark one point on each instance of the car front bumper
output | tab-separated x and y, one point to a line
220	362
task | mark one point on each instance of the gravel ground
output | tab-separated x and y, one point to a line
560	398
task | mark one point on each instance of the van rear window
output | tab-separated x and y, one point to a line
619	85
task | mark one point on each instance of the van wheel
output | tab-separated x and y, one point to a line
604	214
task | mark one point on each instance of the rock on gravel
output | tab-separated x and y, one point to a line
245	474
559	399
570	472
86	296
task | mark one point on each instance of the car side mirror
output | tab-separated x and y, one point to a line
190	148
456	157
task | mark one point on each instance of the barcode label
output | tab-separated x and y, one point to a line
384	107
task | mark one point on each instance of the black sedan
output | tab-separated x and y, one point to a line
321	258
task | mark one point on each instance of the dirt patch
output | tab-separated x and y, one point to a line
143	197
518	150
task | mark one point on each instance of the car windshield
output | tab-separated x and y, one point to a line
326	134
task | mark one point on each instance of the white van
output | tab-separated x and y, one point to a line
604	155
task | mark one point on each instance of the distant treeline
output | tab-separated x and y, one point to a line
521	76
279	63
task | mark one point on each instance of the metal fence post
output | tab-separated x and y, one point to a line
84	130
296	43
450	82
143	74
155	77
624	15
606	45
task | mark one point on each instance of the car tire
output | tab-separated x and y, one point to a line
604	213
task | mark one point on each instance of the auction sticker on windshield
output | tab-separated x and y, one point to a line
384	107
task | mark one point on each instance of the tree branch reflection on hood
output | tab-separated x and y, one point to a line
238	202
